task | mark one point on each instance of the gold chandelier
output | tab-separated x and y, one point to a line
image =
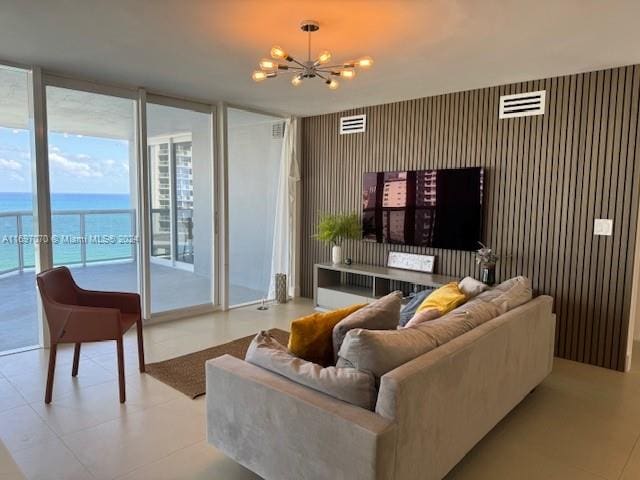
311	68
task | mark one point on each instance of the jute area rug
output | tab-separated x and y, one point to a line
186	373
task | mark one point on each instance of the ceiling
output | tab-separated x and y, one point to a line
74	112
207	49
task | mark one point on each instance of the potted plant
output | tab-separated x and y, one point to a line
334	228
487	259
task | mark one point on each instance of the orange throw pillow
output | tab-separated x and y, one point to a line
311	338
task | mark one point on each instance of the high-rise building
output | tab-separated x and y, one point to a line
172	218
394	200
425	215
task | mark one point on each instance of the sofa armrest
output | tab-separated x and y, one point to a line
8	468
283	430
462	389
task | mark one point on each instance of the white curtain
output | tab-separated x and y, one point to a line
284	239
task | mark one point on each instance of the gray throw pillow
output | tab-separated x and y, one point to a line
383	314
409	310
379	352
509	294
346	384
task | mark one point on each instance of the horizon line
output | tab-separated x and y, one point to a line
77	193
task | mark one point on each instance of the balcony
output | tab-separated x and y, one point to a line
110	267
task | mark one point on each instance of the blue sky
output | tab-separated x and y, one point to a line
77	164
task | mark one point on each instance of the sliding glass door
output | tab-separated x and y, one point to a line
181	186
255	144
92	173
19	327
86	181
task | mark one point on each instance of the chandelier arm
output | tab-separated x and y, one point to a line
286	67
341	65
320	74
297	62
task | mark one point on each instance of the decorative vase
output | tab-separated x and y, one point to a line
488	274
336	254
281	287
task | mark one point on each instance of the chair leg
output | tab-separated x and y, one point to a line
76	360
140	346
52	369
120	349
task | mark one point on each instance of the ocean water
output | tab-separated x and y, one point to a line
107	235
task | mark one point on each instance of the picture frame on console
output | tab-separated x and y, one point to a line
412	261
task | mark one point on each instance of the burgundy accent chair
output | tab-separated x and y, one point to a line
76	315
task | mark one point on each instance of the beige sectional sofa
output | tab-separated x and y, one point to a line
430	411
8	468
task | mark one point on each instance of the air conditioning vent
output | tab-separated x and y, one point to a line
277	130
522	104
353	124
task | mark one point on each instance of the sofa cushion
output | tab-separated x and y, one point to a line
311	336
472	287
383	314
379	352
423	316
346	384
409	310
509	294
445	299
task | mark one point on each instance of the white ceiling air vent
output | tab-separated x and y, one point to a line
522	104
353	124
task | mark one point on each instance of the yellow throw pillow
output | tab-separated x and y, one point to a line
444	299
311	336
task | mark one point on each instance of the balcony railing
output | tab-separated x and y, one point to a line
79	237
82	237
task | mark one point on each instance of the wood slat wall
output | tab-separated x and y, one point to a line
546	179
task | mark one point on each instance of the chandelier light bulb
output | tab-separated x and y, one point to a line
268	64
259	76
365	62
333	84
278	53
324	57
297	80
348	74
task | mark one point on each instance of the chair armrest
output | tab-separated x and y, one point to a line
70	323
123	301
273	426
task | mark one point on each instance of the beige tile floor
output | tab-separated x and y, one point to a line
583	422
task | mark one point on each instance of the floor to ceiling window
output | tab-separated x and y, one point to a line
19	326
88	173
90	186
180	165
92	173
254	152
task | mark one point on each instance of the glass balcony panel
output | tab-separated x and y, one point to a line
92	170
19	324
180	186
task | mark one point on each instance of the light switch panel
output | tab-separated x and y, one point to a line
603	226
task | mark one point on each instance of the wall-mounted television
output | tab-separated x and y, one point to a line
427	208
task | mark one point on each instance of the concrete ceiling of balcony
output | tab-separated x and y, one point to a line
206	49
81	113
